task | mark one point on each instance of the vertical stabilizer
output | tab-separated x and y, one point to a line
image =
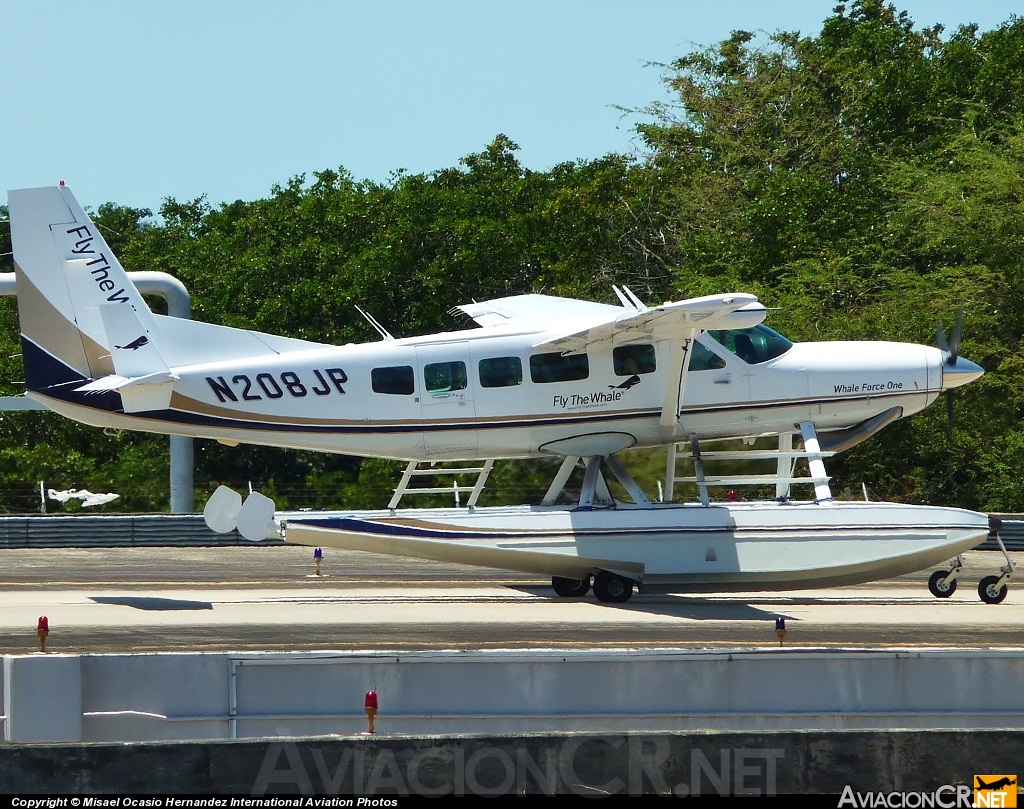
65	273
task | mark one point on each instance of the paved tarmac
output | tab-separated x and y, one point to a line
266	598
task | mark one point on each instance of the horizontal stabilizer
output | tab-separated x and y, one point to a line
116	382
139	394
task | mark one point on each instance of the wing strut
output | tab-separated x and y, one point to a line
822	492
698	470
674	388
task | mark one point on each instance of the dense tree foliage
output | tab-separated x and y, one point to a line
867	181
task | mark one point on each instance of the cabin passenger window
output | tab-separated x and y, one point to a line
398	379
441	377
555	367
501	372
630	360
703	358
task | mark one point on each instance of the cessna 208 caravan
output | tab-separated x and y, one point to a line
540	376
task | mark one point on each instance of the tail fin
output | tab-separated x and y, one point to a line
141	376
66	276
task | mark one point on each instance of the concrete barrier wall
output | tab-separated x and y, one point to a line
168	696
591	766
113	531
43	698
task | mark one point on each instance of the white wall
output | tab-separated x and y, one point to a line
42	698
206	696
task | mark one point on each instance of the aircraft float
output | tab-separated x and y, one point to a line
540	376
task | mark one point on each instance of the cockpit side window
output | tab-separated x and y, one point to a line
703	358
754	345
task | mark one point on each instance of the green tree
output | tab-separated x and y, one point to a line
866	181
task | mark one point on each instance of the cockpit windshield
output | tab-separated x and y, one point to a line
754	345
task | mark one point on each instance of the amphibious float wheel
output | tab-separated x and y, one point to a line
570	588
937	585
988	592
611	588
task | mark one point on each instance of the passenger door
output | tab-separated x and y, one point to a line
446	399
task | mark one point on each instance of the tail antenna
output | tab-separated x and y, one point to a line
384	333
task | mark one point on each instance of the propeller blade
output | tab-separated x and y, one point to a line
954	342
940	338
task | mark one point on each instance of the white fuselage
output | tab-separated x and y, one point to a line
383	399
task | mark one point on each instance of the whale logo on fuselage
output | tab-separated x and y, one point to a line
633	380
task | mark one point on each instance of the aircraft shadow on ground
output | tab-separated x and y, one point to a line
151	603
710	608
695	609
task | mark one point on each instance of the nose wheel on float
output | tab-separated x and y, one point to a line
991	589
942	583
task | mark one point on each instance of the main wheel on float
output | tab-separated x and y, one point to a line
611	588
570	588
987	590
937	585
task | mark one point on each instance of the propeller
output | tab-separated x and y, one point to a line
952	348
952	351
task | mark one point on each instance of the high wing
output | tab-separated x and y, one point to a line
588	324
591	323
681	320
535	311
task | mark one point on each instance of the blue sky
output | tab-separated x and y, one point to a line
131	102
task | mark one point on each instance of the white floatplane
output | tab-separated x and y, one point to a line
540	376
